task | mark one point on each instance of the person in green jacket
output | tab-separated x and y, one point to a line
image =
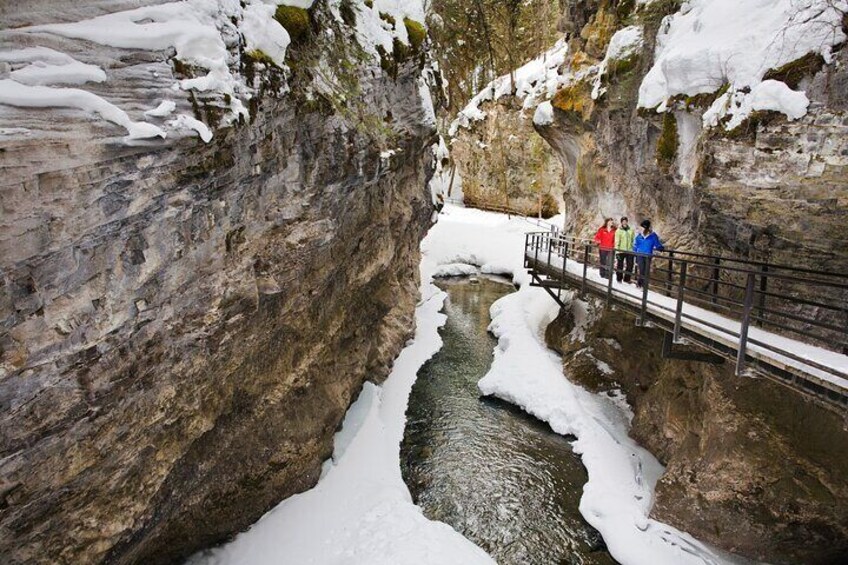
623	249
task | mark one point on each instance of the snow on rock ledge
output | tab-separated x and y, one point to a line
535	81
544	115
711	43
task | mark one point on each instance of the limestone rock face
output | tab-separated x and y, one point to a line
751	467
502	161
183	325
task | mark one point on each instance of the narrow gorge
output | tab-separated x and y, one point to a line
222	223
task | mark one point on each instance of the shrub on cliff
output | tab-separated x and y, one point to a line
667	143
416	33
296	21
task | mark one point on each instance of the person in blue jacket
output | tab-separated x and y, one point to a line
645	243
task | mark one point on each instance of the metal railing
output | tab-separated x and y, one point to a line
789	301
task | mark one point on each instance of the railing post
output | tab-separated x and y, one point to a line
845	347
564	259
550	245
536	256
715	279
526	248
585	269
646	282
762	300
746	322
670	281
678	313
611	266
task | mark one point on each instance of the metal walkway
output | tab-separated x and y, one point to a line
749	312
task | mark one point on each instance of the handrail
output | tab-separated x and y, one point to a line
677	253
814	314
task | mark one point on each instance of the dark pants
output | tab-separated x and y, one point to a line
605	259
642	264
621	260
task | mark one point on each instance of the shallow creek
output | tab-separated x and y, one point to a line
501	478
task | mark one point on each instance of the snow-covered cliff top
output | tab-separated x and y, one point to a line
81	65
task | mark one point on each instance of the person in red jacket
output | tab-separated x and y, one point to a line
605	238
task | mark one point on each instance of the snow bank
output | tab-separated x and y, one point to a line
536	81
710	43
454	270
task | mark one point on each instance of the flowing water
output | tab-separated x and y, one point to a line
501	478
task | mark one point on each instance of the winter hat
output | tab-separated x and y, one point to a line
646	224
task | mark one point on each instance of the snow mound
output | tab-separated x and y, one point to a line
263	33
544	115
454	270
767	95
23	96
625	44
711	43
49	67
183	121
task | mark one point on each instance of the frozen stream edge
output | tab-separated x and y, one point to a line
361	510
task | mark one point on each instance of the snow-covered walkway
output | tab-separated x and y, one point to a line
361	511
823	367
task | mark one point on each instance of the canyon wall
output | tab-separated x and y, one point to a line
184	324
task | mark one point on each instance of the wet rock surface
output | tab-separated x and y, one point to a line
183	325
751	467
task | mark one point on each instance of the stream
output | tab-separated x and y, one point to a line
498	476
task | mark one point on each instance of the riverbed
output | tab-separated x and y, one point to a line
499	477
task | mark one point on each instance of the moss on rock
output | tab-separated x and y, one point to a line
296	21
793	72
259	56
598	32
576	98
416	32
667	143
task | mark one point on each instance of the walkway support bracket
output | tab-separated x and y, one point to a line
746	322
646	283
678	313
